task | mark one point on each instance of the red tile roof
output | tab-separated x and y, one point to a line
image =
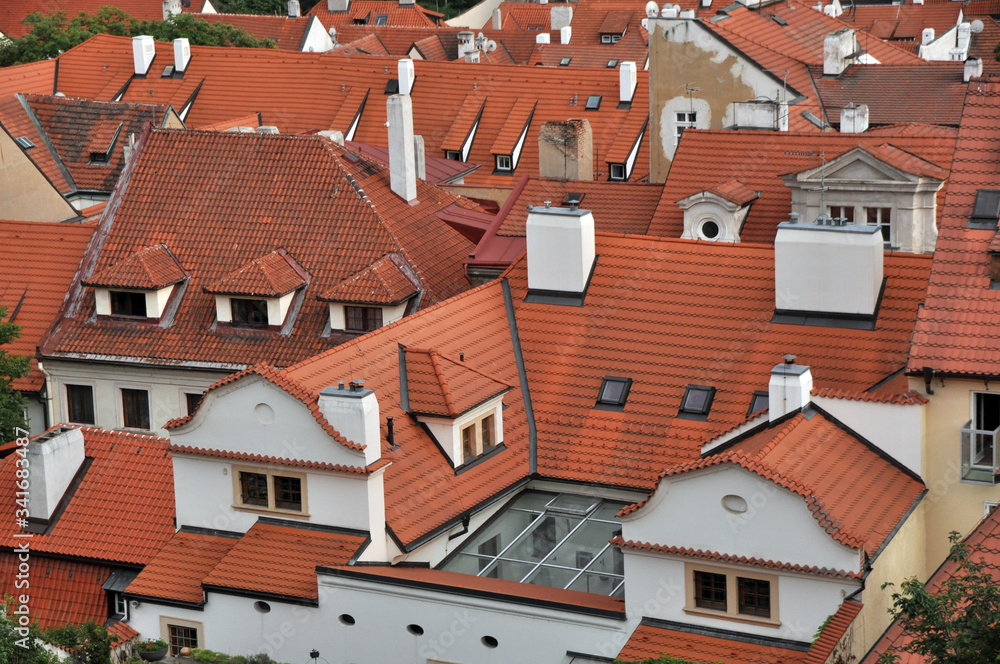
13	12
396	13
908	398
902	22
712	156
286	33
281	560
382	282
16	118
203	194
441	386
130	528
734	191
833	631
62	592
652	639
853	491
246	121
956	328
151	268
123	631
984	544
437	170
272	275
33	290
34	77
177	570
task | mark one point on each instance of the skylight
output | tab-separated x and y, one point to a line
758	402
168	71
392	87
697	401
24	142
565	62
381	19
572	198
613	393
555	540
612	64
986	210
593	102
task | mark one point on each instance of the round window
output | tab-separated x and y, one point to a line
415	630
490	641
710	230
735	504
262	607
346	619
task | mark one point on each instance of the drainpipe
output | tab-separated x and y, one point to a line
49	408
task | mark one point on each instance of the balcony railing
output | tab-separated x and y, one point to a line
979	454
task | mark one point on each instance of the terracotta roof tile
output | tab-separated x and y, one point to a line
902	22
836	627
431	48
123	631
734	191
272	275
517	116
260	458
130	529
462	122
62	591
908	398
282	560
955	331
438	385
151	268
286	33
437	170
177	570
246	121
366	10
34	77
651	640
17	118
382	282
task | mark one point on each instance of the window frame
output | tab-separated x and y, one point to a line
186	400
166	622
609	404
591	104
972	472
453	155
120	405
93	402
507	159
476	443
689	121
732	611
240	323
270	473
368	318
611	172
133	294
883	225
605	39
702	413
121	606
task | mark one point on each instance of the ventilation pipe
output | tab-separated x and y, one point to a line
789	389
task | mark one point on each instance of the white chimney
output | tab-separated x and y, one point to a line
171	8
973	69
560	16
565	34
402	161
53	459
405	3
542	38
182	54
669	11
837	49
465	43
338	5
420	157
560	249
626	82
927	36
497	19
854	119
353	412
143	52
294	9
789	389
827	270
964	35
267	129
406	76
687	13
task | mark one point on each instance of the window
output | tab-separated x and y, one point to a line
469	441
503	162
709	229
253	489
555	540
135	408
593	102
168	71
565	62
288	492
259	489
986	210
845	212
697	401
191	400
612	64
251	313
754	597
363	319
615	39
126	303
880	217
684	120
121	606
988	507
453	155
758	402
479	437
99	157
979	436
489	431
381	19
613	393
605	39
80	404
617	171
710	591
181	637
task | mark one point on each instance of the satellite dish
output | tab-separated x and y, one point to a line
652	9
491	46
977	26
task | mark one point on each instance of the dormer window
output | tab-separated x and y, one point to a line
503	162
613	393
617	171
101	143
375	296
986	210
362	319
260	293
247	312
697	402
138	287
128	303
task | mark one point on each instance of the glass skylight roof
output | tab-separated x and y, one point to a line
548	539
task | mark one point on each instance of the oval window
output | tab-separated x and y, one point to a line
490	641
415	630
735	504
346	619
262	607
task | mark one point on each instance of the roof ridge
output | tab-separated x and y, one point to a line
442	382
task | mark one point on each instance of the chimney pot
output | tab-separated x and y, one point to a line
357	385
340	385
565	34
789	359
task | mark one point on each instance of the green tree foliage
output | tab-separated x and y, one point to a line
20	645
279	7
11	367
57	33
89	643
957	624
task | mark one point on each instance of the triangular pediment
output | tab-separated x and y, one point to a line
859	170
854	166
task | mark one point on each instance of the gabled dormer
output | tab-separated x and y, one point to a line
373	297
260	293
140	286
460	406
874	185
718	213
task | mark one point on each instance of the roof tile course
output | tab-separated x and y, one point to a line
272	275
649	641
176	572
151	268
441	386
382	282
62	591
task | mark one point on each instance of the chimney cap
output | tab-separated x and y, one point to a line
789	368
557	211
789	359
355	390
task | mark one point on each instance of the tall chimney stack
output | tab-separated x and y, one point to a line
406	76
402	160
54	459
789	389
561	250
143	52
182	54
626	82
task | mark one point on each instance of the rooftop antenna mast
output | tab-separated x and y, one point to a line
822	175
690	89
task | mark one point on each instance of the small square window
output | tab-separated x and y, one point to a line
181	637
612	64
593	102
453	155
697	400
758	402
363	319
135	409
710	591
881	217
565	62
253	489
503	162
288	493
605	39
191	400
986	210
251	313
125	303
80	404
754	597
613	393
617	171
615	38
845	212
121	606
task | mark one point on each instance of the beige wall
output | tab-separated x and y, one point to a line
25	192
497	194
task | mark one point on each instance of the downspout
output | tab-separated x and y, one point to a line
49	412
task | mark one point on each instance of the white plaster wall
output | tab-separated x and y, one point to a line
687	511
166	389
896	430
156	301
449	431
941	47
317	39
204	496
655	588
256	417
434	551
668	120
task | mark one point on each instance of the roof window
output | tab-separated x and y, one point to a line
168	71
392	86
613	393
381	19
593	102
572	198
697	402
986	210
24	142
565	62
612	64
758	402
780	21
